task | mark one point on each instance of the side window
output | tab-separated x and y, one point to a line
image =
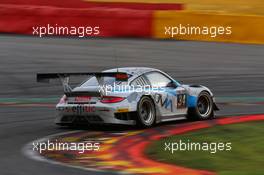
157	79
139	81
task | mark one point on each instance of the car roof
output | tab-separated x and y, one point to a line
134	71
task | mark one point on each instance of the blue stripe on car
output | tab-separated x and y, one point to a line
191	101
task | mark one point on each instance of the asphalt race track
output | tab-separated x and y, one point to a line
234	72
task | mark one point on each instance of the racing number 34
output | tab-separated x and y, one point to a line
181	101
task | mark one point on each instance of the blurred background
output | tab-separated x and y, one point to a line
138	18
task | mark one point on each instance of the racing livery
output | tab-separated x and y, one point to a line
130	95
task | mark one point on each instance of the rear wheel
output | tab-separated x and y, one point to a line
146	112
204	108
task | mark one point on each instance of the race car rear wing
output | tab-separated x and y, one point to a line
64	77
45	77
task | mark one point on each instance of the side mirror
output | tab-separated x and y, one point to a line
172	85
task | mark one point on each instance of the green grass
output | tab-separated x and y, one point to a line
245	157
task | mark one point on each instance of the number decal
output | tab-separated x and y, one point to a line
181	101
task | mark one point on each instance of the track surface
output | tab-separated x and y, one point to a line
230	70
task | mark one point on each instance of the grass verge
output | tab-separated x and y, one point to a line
245	157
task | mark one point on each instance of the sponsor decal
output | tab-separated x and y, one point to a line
82	99
79	109
169	102
166	103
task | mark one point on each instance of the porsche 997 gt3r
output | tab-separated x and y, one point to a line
147	96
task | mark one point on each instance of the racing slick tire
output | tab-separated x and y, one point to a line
146	113
204	109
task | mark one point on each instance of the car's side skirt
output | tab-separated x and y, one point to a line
172	118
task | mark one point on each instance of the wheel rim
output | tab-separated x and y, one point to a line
146	112
204	106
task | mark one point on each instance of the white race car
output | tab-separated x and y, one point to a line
130	95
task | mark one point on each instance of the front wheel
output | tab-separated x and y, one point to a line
204	108
146	112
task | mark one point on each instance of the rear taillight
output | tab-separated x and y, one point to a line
63	99
111	99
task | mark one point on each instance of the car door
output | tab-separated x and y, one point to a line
170	98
